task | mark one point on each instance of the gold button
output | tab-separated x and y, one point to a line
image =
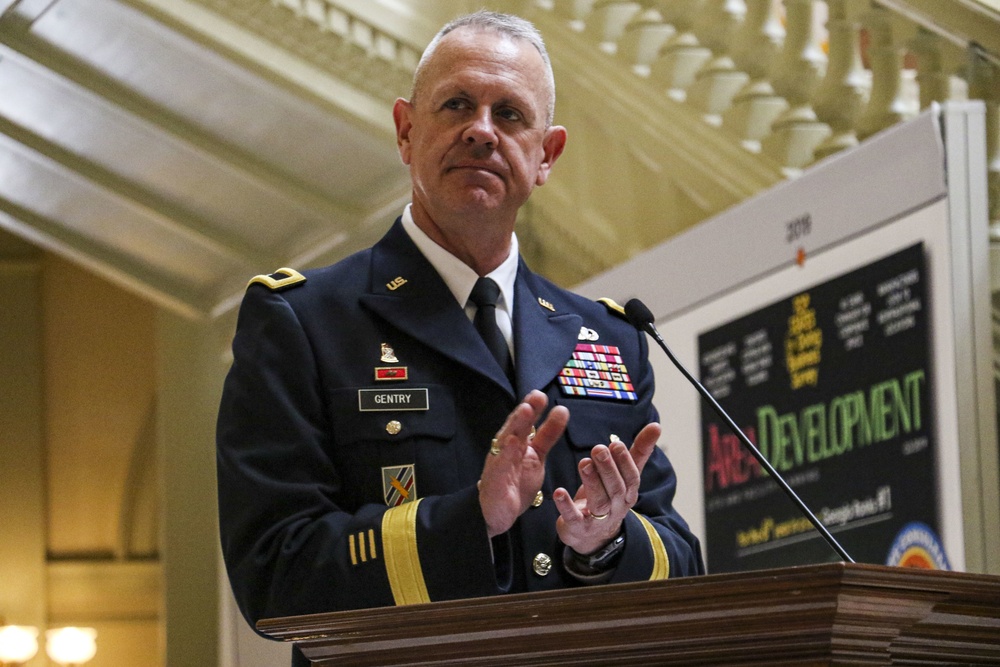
542	565
539	497
393	427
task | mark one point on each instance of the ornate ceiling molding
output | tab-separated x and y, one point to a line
332	39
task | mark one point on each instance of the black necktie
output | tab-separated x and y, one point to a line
485	295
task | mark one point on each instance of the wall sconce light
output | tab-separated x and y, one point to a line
18	644
71	646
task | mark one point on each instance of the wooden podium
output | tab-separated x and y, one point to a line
831	614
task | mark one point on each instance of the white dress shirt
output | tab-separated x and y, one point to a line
460	278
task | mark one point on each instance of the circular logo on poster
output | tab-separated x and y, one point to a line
917	546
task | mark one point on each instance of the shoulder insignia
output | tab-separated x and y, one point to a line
281	279
613	307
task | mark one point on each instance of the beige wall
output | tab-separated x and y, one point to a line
22	475
190	371
100	386
78	467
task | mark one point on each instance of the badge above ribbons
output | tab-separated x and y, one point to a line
399	485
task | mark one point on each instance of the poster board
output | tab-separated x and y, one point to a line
904	213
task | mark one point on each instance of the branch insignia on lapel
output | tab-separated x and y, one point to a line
281	279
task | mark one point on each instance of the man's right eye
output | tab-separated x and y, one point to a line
455	103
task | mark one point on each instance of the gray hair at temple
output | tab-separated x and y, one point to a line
503	24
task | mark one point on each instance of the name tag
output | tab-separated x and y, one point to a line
383	400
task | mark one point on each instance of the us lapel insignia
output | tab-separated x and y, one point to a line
587	334
596	371
396	283
399	485
545	304
388	354
386	373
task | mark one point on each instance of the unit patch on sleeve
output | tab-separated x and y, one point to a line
399	485
596	371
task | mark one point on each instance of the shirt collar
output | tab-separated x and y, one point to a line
457	275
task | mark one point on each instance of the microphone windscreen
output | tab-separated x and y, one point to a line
638	314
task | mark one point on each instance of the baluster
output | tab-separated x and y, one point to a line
890	101
758	41
348	51
315	11
718	81
406	63
937	61
574	11
682	55
644	35
363	37
294	5
755	48
718	22
841	96
984	84
796	132
607	21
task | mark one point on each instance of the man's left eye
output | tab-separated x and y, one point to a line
509	114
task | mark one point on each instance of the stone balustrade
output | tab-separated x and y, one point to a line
791	80
336	40
798	80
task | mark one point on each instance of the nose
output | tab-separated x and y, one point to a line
481	130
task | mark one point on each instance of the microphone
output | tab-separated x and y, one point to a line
642	319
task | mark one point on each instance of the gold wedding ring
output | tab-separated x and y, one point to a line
600	517
494	448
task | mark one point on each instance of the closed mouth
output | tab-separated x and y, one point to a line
475	167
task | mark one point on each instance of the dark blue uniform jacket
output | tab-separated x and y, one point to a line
334	495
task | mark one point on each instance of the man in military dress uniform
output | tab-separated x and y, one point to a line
428	419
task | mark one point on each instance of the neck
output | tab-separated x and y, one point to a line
482	245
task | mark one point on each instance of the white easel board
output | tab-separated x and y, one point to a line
844	319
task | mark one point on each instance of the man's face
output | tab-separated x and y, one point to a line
476	137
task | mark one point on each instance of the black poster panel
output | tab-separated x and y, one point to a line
833	385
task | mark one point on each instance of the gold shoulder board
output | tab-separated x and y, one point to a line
613	307
281	279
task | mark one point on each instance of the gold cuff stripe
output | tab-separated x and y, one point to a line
402	561
661	563
360	550
291	277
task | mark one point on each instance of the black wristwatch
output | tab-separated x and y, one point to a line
601	560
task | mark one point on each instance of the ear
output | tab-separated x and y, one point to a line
552	146
402	112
